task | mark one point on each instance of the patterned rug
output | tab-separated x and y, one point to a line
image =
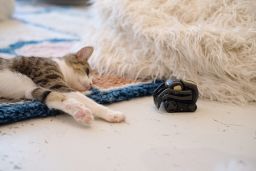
45	30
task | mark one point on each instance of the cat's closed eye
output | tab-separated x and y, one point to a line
87	71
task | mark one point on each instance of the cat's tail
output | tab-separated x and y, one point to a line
38	93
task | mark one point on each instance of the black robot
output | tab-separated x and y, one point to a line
176	96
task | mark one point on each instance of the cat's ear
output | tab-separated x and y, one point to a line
84	53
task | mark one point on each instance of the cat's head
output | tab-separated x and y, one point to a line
79	75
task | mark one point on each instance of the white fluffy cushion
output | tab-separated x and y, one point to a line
212	42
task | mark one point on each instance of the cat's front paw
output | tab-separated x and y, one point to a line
115	117
83	116
79	112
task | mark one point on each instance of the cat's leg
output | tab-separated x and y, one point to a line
98	110
63	102
17	86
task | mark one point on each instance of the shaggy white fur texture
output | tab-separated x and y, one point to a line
210	42
6	9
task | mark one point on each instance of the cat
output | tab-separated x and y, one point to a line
57	82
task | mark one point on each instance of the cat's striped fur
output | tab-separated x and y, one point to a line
56	82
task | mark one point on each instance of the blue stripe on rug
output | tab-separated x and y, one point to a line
11	48
45	27
45	10
14	112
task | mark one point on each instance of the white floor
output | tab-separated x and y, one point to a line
218	137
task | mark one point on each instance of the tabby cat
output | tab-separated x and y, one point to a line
57	82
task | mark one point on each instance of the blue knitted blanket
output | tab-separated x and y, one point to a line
14	112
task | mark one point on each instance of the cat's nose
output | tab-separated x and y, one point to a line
88	86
